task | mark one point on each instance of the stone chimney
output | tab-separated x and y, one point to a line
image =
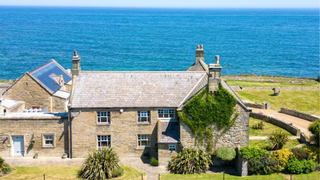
199	53
76	69
214	76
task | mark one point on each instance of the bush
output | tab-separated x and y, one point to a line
282	156
278	139
259	125
154	162
4	167
264	166
190	161
308	166
314	153
225	153
314	128
300	153
252	153
101	164
294	166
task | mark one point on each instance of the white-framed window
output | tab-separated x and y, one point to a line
143	140
172	147
104	141
103	117
166	113
48	140
144	116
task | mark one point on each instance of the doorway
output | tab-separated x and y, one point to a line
18	146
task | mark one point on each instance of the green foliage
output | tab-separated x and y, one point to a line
308	166
278	139
259	125
101	164
154	162
294	166
190	161
264	166
225	153
282	156
300	153
249	153
314	128
314	153
4	167
205	109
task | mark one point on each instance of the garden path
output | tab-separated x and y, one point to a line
302	124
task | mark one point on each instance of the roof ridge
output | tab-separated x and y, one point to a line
32	71
142	72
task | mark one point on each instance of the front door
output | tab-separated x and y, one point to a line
18	146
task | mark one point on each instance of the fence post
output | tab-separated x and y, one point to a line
141	176
223	177
290	176
44	176
159	177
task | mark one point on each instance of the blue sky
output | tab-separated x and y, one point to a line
170	3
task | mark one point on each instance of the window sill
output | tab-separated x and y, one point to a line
143	147
144	123
48	147
103	124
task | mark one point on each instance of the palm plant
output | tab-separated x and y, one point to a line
278	139
190	161
101	164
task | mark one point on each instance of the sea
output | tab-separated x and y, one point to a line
279	42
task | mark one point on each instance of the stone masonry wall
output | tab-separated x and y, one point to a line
36	128
309	117
29	91
238	135
164	155
124	130
58	104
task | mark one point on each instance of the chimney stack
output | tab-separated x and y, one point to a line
199	53
214	76
76	69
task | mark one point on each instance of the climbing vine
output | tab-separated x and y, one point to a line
204	110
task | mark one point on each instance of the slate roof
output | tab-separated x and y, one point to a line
170	132
135	89
199	66
47	74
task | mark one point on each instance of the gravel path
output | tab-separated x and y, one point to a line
302	124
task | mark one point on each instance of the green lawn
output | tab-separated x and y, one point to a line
4	81
218	176
305	101
268	128
270	81
311	176
265	144
62	172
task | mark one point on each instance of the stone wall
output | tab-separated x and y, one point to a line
58	104
28	90
124	130
34	127
281	88
266	105
241	164
164	155
299	114
238	135
278	122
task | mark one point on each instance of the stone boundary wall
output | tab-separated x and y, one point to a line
278	122
281	88
236	88
241	164
303	138
299	114
266	105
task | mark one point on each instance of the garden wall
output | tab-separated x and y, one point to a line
266	105
278	122
299	114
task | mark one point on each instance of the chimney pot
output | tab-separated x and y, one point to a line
198	46
201	46
217	59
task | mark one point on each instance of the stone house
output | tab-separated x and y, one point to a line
46	87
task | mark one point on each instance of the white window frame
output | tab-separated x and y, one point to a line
46	138
167	112
103	114
104	138
144	138
144	114
172	147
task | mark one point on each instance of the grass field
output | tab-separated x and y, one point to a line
265	144
62	172
306	101
268	128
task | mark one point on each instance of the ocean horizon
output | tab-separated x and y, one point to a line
268	41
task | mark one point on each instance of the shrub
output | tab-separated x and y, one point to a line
190	161
314	153
300	153
259	125
101	164
4	167
308	166
154	162
252	153
264	166
225	153
294	166
278	139
282	156
314	128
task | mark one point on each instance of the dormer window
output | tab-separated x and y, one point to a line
166	113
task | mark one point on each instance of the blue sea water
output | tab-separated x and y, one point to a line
261	41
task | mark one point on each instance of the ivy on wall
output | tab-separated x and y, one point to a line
205	110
